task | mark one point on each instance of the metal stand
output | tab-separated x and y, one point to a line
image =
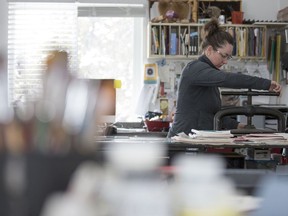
249	111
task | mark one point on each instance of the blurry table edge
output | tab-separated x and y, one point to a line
171	144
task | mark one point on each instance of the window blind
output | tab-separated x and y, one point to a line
35	29
112	11
131	2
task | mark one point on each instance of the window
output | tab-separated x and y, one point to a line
109	45
34	29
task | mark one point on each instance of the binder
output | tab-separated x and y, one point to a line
194	43
272	55
233	34
163	42
251	42
277	58
256	37
155	41
187	42
173	43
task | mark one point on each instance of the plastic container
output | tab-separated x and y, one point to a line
157	125
237	17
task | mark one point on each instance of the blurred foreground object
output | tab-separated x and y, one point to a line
201	187
128	184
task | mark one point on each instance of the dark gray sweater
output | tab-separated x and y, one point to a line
199	99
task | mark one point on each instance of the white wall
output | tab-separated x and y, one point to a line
260	9
253	9
283	4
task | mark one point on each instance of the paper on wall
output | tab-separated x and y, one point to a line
145	98
164	74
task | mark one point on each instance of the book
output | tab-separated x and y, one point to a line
163	42
155	40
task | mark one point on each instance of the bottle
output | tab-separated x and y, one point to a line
201	187
221	19
138	187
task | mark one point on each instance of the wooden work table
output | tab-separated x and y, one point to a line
174	148
161	138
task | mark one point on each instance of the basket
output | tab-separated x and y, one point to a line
157	125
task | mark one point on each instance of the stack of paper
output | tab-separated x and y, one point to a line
205	137
261	137
210	134
225	137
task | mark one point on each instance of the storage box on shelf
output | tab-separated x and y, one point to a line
225	7
282	14
183	40
200	8
157	126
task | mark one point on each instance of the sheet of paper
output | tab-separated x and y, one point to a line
145	98
164	74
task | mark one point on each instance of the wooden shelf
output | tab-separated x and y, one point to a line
219	0
182	41
151	2
226	6
178	28
271	24
199	5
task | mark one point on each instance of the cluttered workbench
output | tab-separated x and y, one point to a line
44	174
241	151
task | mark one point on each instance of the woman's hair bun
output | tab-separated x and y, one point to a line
216	36
211	27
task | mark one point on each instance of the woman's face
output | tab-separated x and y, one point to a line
220	56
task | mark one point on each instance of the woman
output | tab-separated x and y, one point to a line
198	96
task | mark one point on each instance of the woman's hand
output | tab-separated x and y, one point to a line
275	87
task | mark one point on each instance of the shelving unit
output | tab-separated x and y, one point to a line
173	40
225	5
197	6
151	3
180	41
